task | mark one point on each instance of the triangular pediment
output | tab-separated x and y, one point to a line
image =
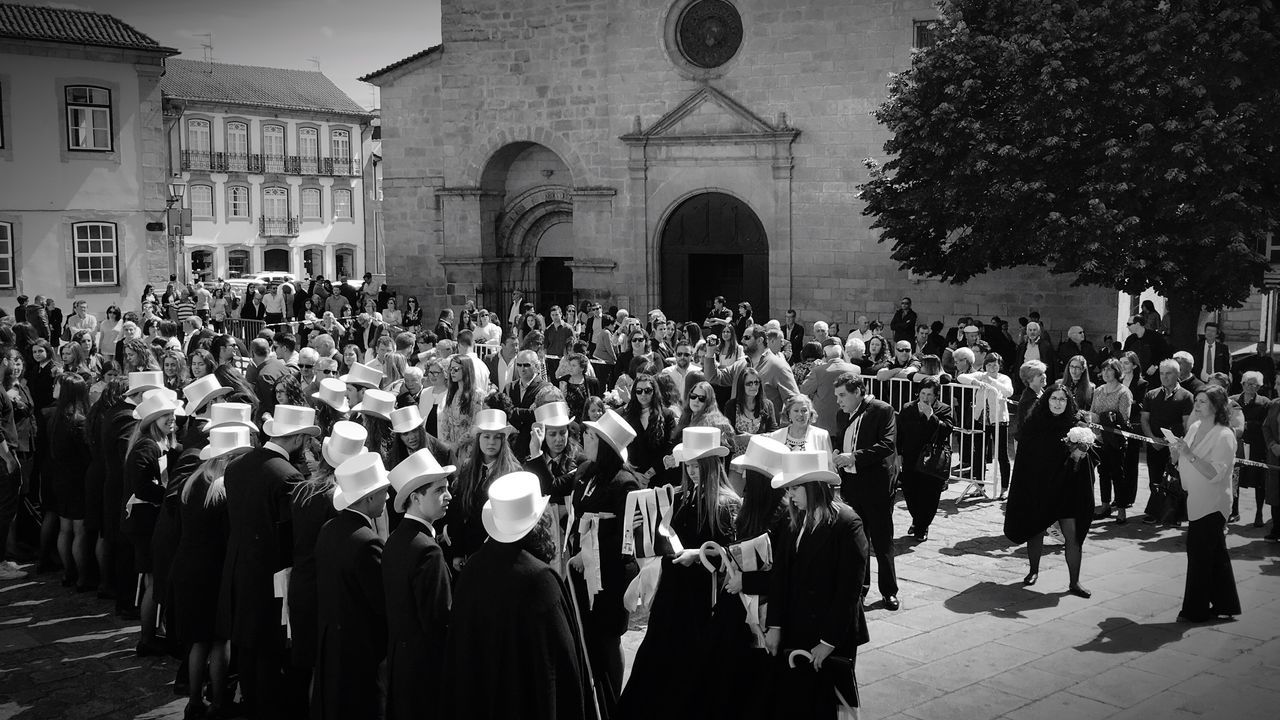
708	113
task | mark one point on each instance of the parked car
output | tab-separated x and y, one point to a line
266	281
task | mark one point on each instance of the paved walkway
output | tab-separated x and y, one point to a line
969	641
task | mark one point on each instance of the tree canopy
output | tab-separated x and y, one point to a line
1130	143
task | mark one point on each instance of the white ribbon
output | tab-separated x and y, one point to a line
589	552
654	506
280	584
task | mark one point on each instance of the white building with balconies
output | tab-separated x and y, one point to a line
273	163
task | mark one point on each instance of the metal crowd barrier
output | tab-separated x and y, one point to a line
973	442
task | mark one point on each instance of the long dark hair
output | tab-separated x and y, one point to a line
1217	398
761	505
72	407
821	505
606	465
659	426
710	492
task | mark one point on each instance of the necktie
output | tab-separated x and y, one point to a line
1208	359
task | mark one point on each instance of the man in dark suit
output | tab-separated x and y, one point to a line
794	333
864	443
1035	346
363	333
263	374
1210	354
1150	345
415	580
527	391
259	523
347	684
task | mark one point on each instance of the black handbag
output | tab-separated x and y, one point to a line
935	458
1169	500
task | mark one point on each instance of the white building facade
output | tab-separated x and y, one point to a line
273	162
82	158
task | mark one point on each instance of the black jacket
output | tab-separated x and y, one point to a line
353	620
415	582
259	545
873	447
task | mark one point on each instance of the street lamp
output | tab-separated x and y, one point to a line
179	221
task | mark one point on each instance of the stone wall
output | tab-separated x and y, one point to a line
574	76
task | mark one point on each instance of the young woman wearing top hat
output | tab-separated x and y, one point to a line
554	454
601	487
745	674
678	621
196	578
486	458
814	603
146	470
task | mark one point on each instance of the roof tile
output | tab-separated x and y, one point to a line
72	26
251	85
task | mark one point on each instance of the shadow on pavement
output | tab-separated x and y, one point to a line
1121	635
1002	601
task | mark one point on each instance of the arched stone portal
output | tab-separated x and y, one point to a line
713	244
527	193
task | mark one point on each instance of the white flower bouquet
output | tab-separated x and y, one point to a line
1080	441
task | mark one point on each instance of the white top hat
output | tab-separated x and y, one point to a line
144	380
156	403
805	466
378	403
970	328
363	375
358	478
404	419
553	414
202	391
490	420
227	439
291	420
764	455
515	503
225	414
699	442
614	430
346	441
332	392
413	472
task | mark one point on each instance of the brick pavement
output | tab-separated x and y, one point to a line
969	642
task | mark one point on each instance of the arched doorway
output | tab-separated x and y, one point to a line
713	244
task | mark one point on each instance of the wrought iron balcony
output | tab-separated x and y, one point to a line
342	166
277	226
197	160
274	163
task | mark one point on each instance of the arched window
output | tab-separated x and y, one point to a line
340	149
309	150
311	203
237	147
200	200
342	204
273	148
238	202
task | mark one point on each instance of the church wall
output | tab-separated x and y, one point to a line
574	75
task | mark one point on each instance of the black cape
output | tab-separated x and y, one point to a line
1047	485
512	649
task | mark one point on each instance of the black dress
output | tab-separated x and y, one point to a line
310	513
69	462
679	625
1047	485
196	578
652	444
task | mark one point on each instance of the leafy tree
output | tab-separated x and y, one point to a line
1130	143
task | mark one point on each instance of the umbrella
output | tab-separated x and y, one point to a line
842	682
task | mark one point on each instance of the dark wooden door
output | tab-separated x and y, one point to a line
713	244
555	284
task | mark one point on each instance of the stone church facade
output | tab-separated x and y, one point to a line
656	153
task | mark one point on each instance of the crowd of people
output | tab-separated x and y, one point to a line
344	514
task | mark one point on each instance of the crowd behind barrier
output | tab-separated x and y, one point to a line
166	490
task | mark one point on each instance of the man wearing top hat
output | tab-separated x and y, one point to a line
527	391
415	580
259	544
513	649
353	612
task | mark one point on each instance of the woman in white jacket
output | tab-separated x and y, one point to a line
801	434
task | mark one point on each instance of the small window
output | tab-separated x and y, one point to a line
2	145
311	203
6	255
926	33
88	118
201	201
238	202
342	204
95	253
